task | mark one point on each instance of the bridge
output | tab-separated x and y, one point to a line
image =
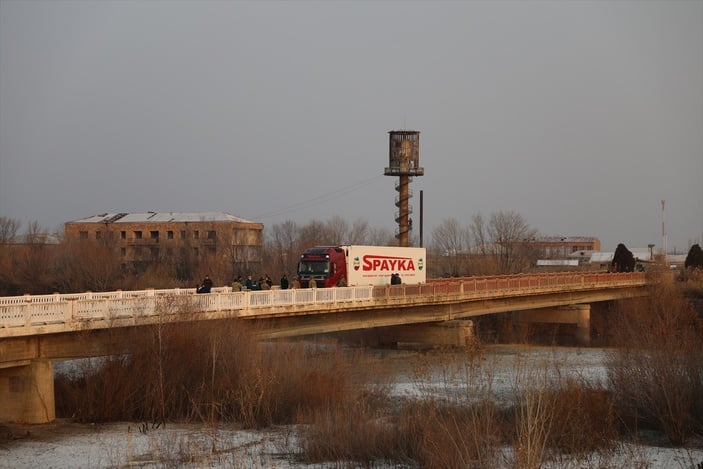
36	330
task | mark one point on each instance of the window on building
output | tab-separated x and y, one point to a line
138	252
169	234
138	235
123	252
245	237
196	234
123	235
183	234
211	250
98	234
195	252
154	234
83	234
211	234
154	253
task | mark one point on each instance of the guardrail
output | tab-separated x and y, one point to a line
34	314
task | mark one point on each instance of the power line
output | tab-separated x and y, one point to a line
320	198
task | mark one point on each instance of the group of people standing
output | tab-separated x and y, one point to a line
263	283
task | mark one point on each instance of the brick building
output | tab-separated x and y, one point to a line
140	239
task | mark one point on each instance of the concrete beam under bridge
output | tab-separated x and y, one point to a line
458	333
579	314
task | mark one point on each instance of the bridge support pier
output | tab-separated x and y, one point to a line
579	314
27	393
457	333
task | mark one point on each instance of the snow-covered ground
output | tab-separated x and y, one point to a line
115	445
67	445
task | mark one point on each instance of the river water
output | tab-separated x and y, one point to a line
498	370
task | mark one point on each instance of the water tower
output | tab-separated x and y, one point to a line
404	162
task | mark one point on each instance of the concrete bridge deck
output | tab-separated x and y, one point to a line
32	315
37	330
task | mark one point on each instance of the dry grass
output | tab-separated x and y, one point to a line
335	397
657	370
209	371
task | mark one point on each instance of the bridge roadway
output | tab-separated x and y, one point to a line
36	330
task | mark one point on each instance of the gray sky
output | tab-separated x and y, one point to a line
580	116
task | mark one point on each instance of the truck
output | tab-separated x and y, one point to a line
355	265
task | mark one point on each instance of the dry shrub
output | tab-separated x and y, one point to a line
564	420
346	431
458	431
282	381
534	418
657	371
554	424
584	419
89	395
439	435
207	371
556	418
425	433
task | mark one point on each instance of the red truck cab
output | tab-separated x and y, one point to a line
325	264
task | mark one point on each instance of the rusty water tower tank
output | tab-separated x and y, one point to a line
404	162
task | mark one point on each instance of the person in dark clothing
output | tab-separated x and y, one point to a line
395	279
206	286
284	282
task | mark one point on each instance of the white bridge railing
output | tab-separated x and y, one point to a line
35	312
43	314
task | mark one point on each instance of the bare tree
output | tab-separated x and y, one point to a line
359	232
8	229
35	233
336	230
31	269
86	266
283	247
502	239
479	234
314	234
509	230
381	237
450	248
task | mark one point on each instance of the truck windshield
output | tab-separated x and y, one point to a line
314	268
